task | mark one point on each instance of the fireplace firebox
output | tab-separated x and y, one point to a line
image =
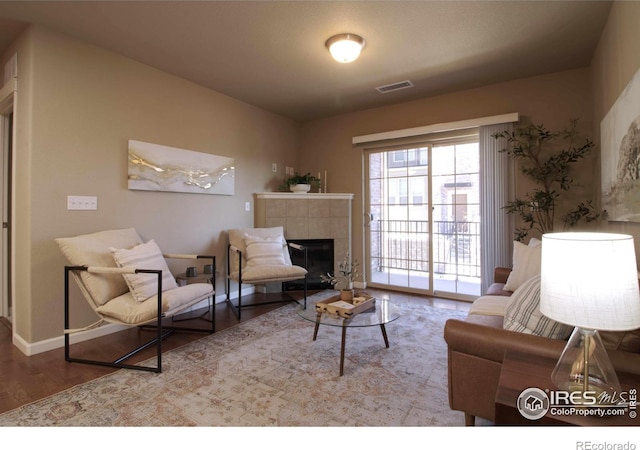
319	262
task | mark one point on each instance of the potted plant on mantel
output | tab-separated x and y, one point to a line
298	183
348	272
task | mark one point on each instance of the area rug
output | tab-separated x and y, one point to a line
269	372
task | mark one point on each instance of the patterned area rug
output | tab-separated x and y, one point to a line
269	372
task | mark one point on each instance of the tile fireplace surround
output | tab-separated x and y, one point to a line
308	216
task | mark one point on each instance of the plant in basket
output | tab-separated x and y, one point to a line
348	270
299	183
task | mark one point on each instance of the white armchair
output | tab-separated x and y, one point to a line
259	256
127	281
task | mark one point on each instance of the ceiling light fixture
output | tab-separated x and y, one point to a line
345	47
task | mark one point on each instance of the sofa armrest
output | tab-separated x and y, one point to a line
491	343
475	353
500	274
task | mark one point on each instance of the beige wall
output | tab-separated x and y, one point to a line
80	106
551	99
616	61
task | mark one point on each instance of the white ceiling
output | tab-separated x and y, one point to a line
271	53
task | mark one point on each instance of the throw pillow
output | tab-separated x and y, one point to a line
533	242
523	315
526	264
237	239
264	251
144	256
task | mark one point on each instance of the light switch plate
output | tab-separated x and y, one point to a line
82	203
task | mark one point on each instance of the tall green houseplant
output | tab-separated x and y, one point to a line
547	158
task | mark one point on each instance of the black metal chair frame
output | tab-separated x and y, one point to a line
237	309
162	331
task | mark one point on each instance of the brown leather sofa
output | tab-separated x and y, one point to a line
476	348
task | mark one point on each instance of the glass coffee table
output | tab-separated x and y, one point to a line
383	313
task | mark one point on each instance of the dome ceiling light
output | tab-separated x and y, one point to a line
345	47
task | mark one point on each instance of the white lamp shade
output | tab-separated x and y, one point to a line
590	280
345	48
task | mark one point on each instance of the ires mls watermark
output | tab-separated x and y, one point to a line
534	403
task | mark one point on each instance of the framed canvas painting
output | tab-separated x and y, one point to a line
620	138
153	167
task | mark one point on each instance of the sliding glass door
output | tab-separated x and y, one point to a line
423	219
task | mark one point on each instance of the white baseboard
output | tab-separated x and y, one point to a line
58	342
34	348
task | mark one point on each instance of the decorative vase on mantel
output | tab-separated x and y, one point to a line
300	188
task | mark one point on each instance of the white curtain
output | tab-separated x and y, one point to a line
496	233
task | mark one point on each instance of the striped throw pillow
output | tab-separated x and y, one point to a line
144	256
264	251
523	314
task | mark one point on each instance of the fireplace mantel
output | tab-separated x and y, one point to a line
308	195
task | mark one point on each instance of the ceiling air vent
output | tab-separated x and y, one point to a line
394	87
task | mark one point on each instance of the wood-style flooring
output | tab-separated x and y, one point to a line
25	379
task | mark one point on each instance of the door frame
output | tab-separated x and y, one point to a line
461	138
8	95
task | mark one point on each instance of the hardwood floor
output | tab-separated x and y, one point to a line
25	379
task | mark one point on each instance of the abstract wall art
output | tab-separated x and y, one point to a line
620	146
155	167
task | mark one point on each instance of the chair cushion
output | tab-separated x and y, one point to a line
267	274
264	251
523	315
526	264
144	256
93	250
489	305
498	289
487	321
125	309
237	239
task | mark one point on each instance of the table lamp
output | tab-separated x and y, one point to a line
590	281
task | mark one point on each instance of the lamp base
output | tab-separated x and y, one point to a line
585	370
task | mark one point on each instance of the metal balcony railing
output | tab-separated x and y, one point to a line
404	244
